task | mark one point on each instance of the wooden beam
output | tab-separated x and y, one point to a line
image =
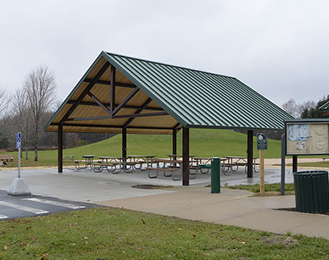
86	103
112	91
120	116
106	82
133	93
186	156
99	103
84	93
139	110
113	126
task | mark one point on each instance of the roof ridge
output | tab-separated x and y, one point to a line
166	64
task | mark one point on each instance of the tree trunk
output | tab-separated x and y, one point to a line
35	153
36	143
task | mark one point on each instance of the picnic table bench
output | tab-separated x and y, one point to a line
68	158
6	157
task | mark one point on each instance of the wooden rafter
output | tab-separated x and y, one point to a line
138	111
86	103
119	116
107	82
114	126
99	103
87	89
133	93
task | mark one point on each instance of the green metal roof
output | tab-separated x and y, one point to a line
324	107
181	97
201	99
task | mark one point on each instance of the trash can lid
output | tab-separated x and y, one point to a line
310	173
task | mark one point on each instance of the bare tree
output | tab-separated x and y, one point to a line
4	103
40	89
291	107
306	106
23	117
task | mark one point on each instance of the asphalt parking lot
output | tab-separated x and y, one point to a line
12	207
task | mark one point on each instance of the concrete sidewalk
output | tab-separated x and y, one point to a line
230	207
195	202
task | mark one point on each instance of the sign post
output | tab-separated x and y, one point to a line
19	146
261	146
18	186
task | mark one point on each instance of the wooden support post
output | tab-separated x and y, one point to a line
250	153
112	91
60	148
261	172
174	141
124	143
186	157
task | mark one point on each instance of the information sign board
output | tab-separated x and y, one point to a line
307	138
261	141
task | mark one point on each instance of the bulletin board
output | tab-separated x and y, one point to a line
307	137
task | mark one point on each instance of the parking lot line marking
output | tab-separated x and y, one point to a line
24	208
56	203
3	216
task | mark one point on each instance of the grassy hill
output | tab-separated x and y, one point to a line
203	143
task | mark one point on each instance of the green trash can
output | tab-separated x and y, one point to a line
215	173
311	191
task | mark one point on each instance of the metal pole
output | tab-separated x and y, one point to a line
283	163
294	163
19	162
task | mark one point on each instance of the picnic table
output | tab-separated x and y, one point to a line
206	160
128	164
88	162
233	163
168	166
140	160
111	164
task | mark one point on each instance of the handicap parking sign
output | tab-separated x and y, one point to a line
19	140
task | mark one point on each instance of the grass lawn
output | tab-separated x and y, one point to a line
270	189
106	233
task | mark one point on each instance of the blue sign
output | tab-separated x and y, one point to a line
19	140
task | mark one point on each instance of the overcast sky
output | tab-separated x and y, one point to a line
277	47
